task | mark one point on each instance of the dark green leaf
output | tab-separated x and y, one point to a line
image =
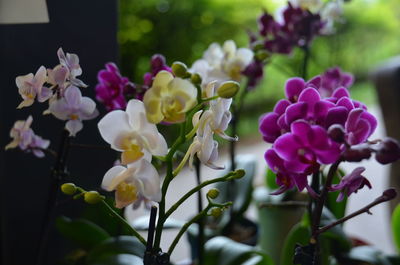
82	232
270	180
116	245
299	234
396	226
121	259
341	242
224	251
337	208
242	189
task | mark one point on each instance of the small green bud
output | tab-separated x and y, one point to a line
213	193
216	212
261	55
93	197
239	173
228	89
196	79
179	69
68	188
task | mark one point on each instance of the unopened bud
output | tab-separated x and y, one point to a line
216	212
237	174
213	193
68	188
228	89
93	197
389	194
357	153
261	55
196	79
336	133
179	69
388	151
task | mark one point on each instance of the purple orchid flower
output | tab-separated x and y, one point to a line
112	87
307	146
74	108
351	183
334	78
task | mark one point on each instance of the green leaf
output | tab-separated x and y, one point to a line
396	227
224	251
116	245
121	259
270	180
369	255
97	213
299	234
241	193
80	231
337	208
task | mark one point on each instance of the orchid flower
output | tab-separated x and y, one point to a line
57	77
74	108
130	132
31	86
223	63
24	138
351	183
71	62
132	182
169	98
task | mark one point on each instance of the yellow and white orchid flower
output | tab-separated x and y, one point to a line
169	98
137	180
131	133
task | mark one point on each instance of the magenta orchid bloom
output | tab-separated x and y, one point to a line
112	87
334	78
74	108
351	183
24	138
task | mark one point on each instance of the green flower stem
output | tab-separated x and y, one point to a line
200	215
124	222
196	189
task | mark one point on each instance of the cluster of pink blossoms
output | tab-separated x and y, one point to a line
319	124
114	90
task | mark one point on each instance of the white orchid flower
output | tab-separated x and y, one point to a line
217	117
332	12
131	133
312	5
71	62
74	108
31	86
132	182
222	63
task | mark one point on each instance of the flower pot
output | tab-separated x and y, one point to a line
276	218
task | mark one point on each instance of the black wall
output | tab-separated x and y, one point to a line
87	28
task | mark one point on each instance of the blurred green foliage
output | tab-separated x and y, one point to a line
182	30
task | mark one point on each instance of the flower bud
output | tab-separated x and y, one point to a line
261	55
237	174
388	151
196	79
213	193
179	69
68	188
228	89
93	197
357	153
216	212
336	133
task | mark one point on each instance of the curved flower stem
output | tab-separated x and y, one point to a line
124	222
56	176
200	215
387	195
196	189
